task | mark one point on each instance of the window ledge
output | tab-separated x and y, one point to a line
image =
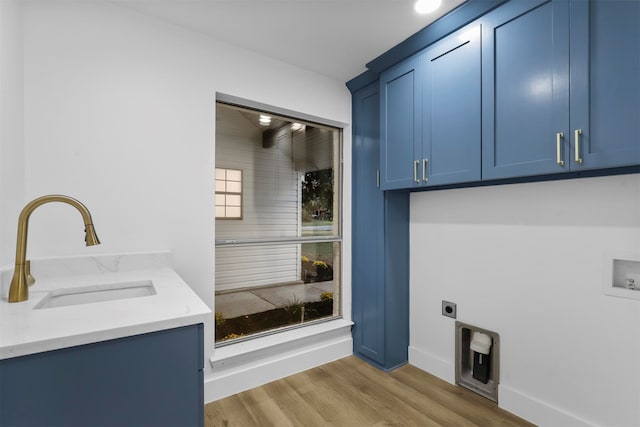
269	346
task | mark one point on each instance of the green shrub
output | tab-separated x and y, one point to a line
326	296
220	318
231	336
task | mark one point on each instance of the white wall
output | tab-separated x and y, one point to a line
12	174
527	262
120	113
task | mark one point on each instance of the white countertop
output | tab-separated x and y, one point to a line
25	330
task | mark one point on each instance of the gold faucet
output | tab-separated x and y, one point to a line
22	279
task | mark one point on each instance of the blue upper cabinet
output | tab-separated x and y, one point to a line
525	72
605	86
451	110
430	115
532	88
560	87
400	127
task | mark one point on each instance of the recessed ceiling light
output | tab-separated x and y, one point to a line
426	6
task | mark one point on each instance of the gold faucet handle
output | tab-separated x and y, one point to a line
27	269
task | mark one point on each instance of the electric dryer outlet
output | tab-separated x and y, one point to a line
449	309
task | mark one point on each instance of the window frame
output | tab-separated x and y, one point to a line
232	193
337	235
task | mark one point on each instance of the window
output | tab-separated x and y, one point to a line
228	193
279	267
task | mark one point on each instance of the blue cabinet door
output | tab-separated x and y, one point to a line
525	105
605	83
380	256
400	131
154	379
368	232
451	109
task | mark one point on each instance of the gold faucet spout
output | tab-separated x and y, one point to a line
19	289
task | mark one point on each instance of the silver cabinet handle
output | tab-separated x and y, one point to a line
415	170
559	160
378	178
424	170
577	134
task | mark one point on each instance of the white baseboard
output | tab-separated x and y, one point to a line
536	411
243	366
435	365
526	407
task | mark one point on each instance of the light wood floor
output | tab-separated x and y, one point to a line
351	393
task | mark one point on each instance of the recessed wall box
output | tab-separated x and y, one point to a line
478	360
621	276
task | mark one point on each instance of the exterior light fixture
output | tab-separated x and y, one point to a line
426	6
265	120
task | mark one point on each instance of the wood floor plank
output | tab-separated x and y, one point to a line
265	409
384	405
352	393
329	396
299	410
479	410
411	402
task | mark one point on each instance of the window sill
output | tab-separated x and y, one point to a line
277	344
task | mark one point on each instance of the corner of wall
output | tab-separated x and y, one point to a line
12	163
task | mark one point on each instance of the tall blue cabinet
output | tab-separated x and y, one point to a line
380	259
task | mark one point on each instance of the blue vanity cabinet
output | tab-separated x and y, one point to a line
400	125
451	117
380	255
154	379
605	84
525	91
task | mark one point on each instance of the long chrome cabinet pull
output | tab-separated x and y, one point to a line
559	137
424	170
415	170
378	178
577	134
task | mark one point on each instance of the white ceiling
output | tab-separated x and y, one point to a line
335	38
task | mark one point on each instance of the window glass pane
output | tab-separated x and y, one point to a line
221	186
291	176
234	175
220	174
220	200
220	212
233	212
233	200
317	204
234	187
286	285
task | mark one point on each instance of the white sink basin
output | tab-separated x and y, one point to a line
97	293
